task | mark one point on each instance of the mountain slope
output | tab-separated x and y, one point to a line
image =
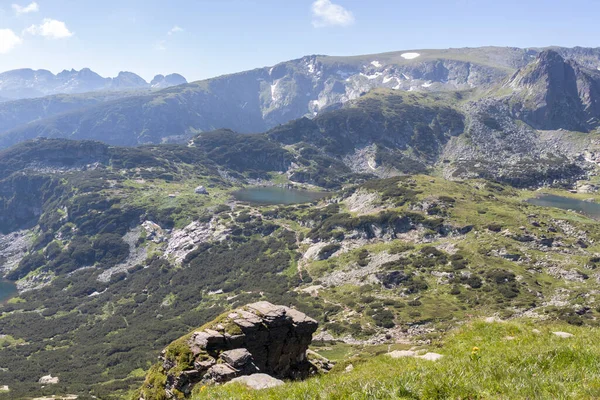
17	113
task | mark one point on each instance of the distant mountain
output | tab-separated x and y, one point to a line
161	81
28	83
263	98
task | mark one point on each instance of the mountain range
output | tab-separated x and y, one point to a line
29	83
260	99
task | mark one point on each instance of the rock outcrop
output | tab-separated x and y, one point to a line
257	338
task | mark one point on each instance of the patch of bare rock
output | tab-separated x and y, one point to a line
257	345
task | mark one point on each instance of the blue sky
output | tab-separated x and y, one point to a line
206	38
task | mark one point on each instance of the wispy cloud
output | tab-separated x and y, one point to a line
325	13
175	29
50	28
33	7
161	45
8	40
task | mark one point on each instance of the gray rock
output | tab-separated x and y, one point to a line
48	380
236	358
258	381
563	335
402	353
220	373
261	337
201	190
431	356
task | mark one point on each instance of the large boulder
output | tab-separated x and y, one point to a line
259	338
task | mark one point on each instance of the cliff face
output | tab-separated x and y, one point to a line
258	338
553	93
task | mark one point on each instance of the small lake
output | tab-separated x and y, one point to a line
7	290
276	195
585	207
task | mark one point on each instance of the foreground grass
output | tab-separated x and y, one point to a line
513	362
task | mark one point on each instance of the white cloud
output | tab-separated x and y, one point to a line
8	40
50	28
175	29
161	45
33	7
325	13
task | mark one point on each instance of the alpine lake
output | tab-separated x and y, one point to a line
270	195
588	208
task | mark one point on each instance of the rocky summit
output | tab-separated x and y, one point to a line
259	338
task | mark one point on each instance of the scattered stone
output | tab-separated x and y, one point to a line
48	380
491	320
258	381
536	331
4	388
201	190
563	335
349	368
324	336
509	338
431	356
402	353
320	362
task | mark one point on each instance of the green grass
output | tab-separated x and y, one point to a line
531	366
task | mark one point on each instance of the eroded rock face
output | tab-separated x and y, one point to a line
257	338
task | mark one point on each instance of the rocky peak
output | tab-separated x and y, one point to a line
128	80
161	81
257	338
554	93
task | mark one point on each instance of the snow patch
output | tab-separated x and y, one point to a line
427	84
410	56
405	77
374	76
275	95
386	79
376	64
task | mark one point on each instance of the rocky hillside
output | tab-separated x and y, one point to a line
257	100
116	255
28	83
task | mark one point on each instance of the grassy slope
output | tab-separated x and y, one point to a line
532	365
